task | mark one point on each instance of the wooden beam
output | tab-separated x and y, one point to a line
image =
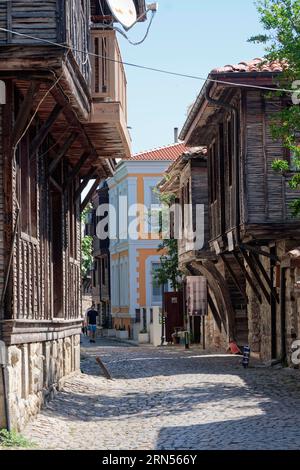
44	130
256	260
75	171
84	182
56	185
247	276
259	251
90	194
25	111
259	281
234	278
71	117
219	287
214	311
62	152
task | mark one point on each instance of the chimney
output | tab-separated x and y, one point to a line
176	135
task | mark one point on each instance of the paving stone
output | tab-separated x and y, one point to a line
170	399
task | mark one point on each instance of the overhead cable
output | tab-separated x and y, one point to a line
147	68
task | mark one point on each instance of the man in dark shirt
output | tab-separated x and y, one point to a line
91	317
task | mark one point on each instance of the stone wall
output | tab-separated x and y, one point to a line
2	405
259	314
86	302
215	340
34	374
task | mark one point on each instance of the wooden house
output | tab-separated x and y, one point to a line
63	123
101	269
250	222
186	182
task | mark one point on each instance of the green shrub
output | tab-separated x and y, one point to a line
11	439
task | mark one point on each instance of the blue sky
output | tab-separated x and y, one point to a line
187	36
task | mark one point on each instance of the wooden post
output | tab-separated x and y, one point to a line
259	281
62	152
234	278
84	183
247	276
90	194
45	129
25	111
75	171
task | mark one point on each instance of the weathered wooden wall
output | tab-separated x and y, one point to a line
199	189
35	18
34	278
59	21
264	195
193	189
267	195
1	207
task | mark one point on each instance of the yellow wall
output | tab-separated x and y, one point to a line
122	254
142	256
120	309
121	322
140	199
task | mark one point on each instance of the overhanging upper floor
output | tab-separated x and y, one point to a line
55	38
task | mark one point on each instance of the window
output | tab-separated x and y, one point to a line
156	294
154	196
291	158
182	208
103	273
137	315
72	223
213	172
230	146
151	315
28	187
155	211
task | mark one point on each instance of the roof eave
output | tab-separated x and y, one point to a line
227	77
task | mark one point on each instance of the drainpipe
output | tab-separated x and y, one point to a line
234	110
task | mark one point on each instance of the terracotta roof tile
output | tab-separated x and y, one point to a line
189	152
255	65
167	153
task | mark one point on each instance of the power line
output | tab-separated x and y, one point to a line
145	36
150	69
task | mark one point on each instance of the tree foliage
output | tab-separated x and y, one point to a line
86	255
86	245
168	270
281	22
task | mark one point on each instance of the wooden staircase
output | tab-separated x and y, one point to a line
240	308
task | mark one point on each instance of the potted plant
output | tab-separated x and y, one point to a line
122	333
144	337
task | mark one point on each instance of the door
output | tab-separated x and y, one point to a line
174	313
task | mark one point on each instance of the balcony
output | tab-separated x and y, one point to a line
107	127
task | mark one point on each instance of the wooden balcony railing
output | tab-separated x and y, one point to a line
109	79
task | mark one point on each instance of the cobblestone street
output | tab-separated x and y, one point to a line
171	399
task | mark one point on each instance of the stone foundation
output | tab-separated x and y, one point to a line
259	314
34	373
215	340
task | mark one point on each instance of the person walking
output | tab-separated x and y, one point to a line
91	320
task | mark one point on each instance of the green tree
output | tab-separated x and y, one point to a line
281	22
168	270
86	245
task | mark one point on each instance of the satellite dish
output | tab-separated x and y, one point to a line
124	11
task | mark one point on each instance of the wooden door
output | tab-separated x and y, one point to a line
173	302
